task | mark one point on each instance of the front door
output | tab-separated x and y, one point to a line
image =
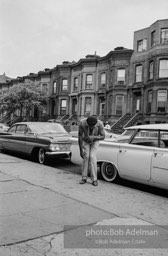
131	161
137	104
102	109
74	107
159	172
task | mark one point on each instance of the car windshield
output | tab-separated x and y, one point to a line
47	128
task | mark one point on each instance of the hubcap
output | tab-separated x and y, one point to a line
108	172
41	156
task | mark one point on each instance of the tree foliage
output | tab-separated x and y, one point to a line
23	97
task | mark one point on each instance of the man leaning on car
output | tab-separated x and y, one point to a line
91	130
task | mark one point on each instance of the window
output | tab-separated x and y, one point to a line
75	83
142	45
89	81
161	100
149	107
81	105
164	35
151	70
119	104
28	130
163	68
54	87
102	109
38	87
81	82
88	103
147	138
13	129
153	38
121	76
63	107
74	106
64	85
52	107
44	88
20	129
111	77
137	106
103	79
138	75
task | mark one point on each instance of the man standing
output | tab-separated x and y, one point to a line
91	130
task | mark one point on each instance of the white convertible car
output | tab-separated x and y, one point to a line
140	154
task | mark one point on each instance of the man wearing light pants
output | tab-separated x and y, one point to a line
91	130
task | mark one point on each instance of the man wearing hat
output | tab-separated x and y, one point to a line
91	130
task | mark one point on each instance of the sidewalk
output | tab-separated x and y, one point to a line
36	202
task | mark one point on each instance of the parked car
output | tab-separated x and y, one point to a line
3	127
109	135
40	140
140	154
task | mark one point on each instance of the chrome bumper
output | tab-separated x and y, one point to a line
58	153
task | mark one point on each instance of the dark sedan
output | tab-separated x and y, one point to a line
40	140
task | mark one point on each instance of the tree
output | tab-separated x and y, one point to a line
23	98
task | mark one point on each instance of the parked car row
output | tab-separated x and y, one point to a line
140	154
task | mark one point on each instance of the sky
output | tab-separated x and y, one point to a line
39	34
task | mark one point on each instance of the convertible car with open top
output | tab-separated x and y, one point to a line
40	140
140	154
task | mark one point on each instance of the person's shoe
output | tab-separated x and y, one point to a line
82	182
95	183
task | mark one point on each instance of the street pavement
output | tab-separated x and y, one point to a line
41	207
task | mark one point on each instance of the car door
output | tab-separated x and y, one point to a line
16	141
7	140
159	172
31	140
135	161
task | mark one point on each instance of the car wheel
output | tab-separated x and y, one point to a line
108	172
41	157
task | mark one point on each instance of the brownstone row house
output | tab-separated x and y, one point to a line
124	87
